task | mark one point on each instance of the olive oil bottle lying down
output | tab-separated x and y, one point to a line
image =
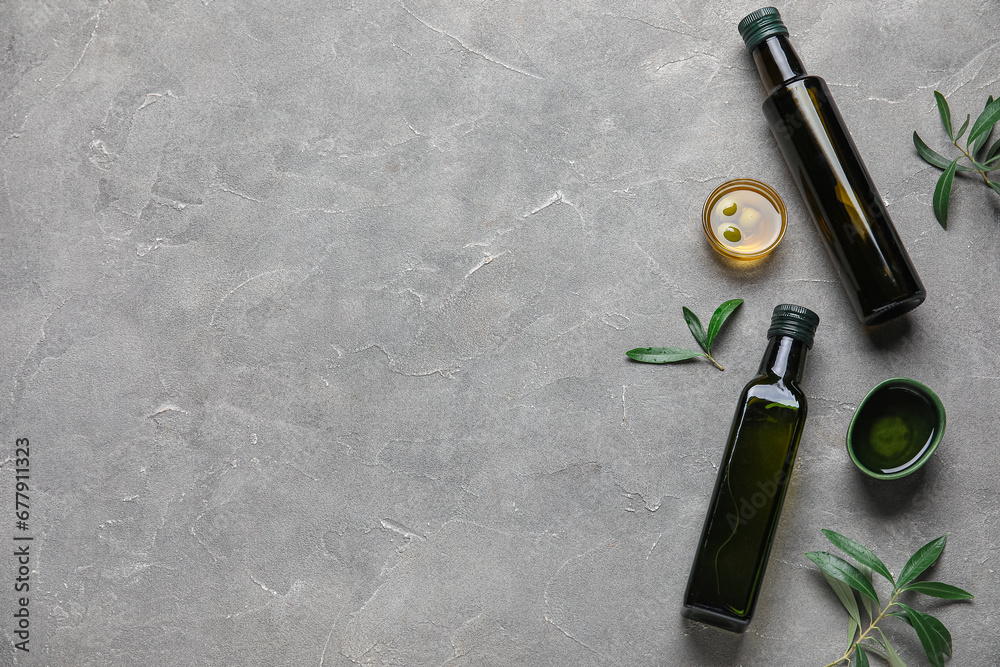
753	477
853	223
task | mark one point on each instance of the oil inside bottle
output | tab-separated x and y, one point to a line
745	221
893	430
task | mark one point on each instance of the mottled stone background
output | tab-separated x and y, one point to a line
314	314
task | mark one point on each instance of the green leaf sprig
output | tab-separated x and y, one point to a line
982	159
846	578
668	355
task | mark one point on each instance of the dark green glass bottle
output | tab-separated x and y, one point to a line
753	478
827	168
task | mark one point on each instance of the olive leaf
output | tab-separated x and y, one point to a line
870	607
846	596
942	193
840	569
860	553
938	590
890	652
932	157
993	152
668	355
981	161
861	660
978	144
697	330
984	124
719	318
934	637
921	560
662	355
965	125
988	165
945	112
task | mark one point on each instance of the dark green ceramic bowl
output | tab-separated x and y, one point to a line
896	429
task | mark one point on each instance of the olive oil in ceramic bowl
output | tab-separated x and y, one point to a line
895	429
744	219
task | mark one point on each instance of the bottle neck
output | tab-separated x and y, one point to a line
777	62
785	357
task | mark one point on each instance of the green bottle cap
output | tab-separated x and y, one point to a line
759	25
795	321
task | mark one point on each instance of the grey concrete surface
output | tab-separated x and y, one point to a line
315	313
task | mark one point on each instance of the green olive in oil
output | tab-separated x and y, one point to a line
895	428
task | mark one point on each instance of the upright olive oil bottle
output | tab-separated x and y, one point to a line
753	478
874	268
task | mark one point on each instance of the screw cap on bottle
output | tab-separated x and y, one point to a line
759	25
795	321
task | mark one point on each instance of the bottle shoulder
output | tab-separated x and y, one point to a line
774	389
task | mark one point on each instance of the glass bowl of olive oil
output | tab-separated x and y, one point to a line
895	429
744	219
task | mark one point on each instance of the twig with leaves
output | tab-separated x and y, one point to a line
845	578
668	355
982	159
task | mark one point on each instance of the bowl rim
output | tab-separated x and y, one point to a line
924	391
731	185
